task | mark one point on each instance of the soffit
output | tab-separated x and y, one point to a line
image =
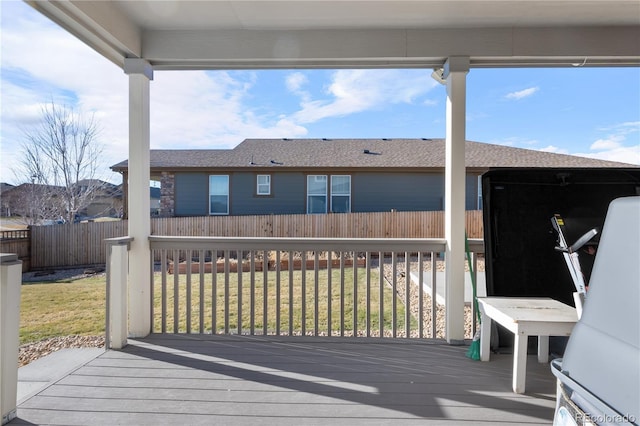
309	14
383	33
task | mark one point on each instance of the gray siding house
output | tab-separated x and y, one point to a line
298	176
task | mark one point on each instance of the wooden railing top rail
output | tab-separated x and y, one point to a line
118	241
298	244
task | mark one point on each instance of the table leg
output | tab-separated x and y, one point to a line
543	349
485	337
519	362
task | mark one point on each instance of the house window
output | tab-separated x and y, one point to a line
340	194
479	192
263	186
218	194
316	194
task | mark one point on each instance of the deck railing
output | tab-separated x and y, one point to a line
296	286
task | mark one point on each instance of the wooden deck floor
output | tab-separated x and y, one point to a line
244	380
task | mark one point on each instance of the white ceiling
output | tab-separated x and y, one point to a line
347	33
314	14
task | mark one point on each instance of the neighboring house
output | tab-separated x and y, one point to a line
105	199
5	207
297	176
43	203
36	202
5	186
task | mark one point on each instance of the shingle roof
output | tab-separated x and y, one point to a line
360	153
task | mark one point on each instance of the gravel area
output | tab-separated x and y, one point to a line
62	274
32	351
426	300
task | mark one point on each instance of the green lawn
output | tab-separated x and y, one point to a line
62	308
230	318
78	307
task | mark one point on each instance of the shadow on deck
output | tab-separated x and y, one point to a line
236	380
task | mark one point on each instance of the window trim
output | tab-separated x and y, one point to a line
479	197
325	195
267	184
227	195
332	194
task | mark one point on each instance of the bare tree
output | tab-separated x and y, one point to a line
61	157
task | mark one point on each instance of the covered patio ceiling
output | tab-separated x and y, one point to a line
238	34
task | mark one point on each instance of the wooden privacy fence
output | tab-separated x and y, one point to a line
83	244
18	242
70	245
344	225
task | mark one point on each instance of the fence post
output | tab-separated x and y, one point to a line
10	282
117	277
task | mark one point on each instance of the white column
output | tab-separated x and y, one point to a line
118	267
10	282
455	72
140	73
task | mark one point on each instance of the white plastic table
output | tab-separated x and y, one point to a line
524	317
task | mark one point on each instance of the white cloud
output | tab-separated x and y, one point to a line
53	56
19	105
514	142
612	142
353	91
295	81
615	145
554	149
522	93
623	154
625	128
200	109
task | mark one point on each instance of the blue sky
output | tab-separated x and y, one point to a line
593	112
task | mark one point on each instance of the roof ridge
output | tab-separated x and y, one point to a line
360	153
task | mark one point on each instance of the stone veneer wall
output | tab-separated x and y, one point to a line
167	194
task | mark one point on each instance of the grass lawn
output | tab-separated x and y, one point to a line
51	309
62	308
199	298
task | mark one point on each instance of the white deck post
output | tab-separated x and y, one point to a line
455	71
118	266
10	282
140	73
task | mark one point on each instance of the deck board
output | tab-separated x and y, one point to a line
236	380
